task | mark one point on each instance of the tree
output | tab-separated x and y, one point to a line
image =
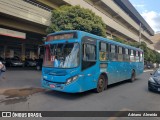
119	40
152	56
157	57
76	18
146	51
134	44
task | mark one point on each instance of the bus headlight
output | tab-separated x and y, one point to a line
69	80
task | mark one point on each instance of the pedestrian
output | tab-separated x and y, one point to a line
2	70
56	62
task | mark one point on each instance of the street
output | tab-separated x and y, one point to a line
21	91
75	46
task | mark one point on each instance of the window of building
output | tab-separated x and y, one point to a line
38	4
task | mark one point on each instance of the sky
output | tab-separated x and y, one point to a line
150	11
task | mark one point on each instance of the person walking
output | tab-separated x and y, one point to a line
2	69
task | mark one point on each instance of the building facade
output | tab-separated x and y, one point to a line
23	23
156	41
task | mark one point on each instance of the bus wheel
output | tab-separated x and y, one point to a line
100	84
133	76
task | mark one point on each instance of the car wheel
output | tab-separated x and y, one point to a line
100	84
38	67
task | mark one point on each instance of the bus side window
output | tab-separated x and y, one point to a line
89	52
126	54
112	54
103	51
137	56
132	59
141	56
120	54
89	56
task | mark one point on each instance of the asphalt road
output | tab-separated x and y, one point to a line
118	97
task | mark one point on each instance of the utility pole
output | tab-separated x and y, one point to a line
140	28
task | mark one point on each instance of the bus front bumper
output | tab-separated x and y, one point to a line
73	87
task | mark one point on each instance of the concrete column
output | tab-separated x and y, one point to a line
23	52
140	34
4	52
38	51
111	35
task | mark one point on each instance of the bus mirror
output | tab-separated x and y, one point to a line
151	74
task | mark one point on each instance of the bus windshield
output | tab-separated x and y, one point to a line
63	55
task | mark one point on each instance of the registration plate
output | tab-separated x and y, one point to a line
52	86
159	89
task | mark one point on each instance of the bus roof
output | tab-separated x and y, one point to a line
98	38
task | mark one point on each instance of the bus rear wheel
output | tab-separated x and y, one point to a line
100	84
133	76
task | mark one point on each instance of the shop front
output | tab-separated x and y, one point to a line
19	44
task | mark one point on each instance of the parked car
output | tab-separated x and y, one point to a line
39	63
15	61
30	62
154	81
2	60
150	66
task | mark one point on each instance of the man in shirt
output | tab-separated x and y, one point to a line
56	62
2	69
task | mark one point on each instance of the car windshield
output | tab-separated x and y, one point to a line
64	55
157	73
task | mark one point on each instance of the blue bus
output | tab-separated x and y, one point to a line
77	61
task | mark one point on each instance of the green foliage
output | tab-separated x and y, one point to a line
134	44
76	18
119	40
157	57
144	47
152	56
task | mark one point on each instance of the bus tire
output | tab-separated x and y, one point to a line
101	84
133	76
